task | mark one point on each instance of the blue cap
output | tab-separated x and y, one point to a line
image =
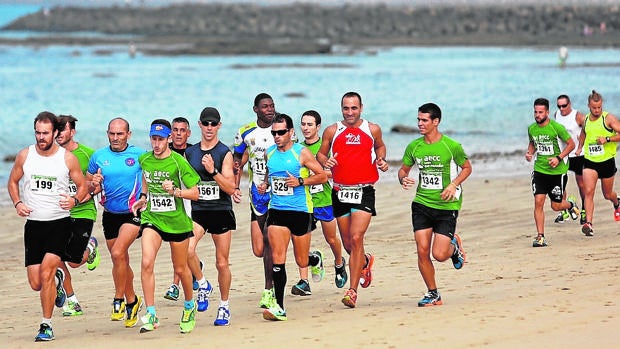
159	130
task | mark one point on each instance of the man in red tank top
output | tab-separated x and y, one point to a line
353	150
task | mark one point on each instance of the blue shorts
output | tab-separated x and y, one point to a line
259	202
324	214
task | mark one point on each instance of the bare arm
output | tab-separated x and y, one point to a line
403	177
326	143
309	161
17	172
380	148
227	179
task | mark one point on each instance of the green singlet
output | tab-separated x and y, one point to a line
439	164
321	193
87	209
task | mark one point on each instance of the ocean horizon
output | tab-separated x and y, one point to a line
486	93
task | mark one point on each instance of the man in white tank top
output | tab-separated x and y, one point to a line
572	120
46	169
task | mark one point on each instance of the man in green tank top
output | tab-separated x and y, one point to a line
598	139
82	247
550	166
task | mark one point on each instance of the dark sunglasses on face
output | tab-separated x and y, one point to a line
279	132
562	105
209	123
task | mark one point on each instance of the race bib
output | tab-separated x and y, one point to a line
259	168
208	190
279	186
596	149
162	202
350	195
317	188
544	149
431	181
44	184
72	188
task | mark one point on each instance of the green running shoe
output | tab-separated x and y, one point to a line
45	334
188	319
71	309
317	271
574	210
275	313
150	323
267	299
93	258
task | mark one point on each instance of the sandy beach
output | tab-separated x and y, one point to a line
508	295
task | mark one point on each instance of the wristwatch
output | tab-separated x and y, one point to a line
607	139
215	171
301	180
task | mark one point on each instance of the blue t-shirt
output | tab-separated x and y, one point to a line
122	177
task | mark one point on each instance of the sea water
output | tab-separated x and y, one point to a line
485	93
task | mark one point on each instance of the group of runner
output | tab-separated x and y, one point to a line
178	192
571	141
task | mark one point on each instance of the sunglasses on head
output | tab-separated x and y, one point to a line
279	132
209	123
562	105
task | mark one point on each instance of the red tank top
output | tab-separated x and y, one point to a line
355	147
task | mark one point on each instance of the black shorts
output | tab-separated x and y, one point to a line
605	169
551	185
299	223
168	237
81	228
41	237
215	222
367	203
112	223
442	221
575	164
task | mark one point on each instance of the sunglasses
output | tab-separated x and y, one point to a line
279	132
562	105
209	123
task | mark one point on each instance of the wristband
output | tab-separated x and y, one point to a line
17	203
77	202
142	195
559	158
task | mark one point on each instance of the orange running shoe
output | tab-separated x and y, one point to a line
366	277
350	298
617	211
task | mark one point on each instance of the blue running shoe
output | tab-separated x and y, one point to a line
458	257
223	317
45	334
430	298
341	274
203	296
61	294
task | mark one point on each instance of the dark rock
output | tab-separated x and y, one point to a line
399	128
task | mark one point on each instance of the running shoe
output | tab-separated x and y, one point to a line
350	298
317	271
366	277
203	296
430	298
71	308
301	289
617	211
45	334
267	299
150	322
223	317
195	285
61	294
573	210
341	274
459	256
132	312
93	258
539	241
274	313
587	229
188	319
583	218
560	218
118	310
172	293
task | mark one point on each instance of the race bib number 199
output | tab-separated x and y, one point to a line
44	184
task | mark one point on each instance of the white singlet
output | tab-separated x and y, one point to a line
571	126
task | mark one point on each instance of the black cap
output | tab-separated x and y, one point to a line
210	114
